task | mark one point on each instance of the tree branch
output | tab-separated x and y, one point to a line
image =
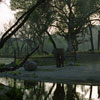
20	65
26	15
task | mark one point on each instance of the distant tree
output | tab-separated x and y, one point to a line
37	26
12	30
72	17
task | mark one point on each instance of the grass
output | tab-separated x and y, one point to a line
2	65
14	72
41	55
45	60
41	61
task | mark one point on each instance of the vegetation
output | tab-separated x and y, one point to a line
2	65
14	94
43	26
40	19
70	18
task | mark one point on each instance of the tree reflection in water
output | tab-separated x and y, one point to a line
98	91
71	93
30	90
37	92
59	93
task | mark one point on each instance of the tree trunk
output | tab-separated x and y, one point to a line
21	50
17	47
90	96
72	45
98	40
91	38
25	59
69	43
91	35
51	39
98	91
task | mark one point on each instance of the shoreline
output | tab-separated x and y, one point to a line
68	75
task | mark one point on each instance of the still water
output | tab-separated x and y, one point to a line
28	90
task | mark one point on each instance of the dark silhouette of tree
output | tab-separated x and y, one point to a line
71	92
59	93
98	40
12	30
72	18
19	23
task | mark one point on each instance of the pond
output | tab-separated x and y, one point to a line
11	89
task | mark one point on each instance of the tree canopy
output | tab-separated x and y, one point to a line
70	16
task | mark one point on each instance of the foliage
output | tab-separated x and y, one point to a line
37	25
18	61
19	23
70	17
3	97
21	4
2	65
8	50
14	94
74	15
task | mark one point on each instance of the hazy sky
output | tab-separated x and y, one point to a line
6	15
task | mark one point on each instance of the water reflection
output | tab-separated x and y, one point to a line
36	93
71	92
59	93
30	90
30	84
98	91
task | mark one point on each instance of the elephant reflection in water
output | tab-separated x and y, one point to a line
59	93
